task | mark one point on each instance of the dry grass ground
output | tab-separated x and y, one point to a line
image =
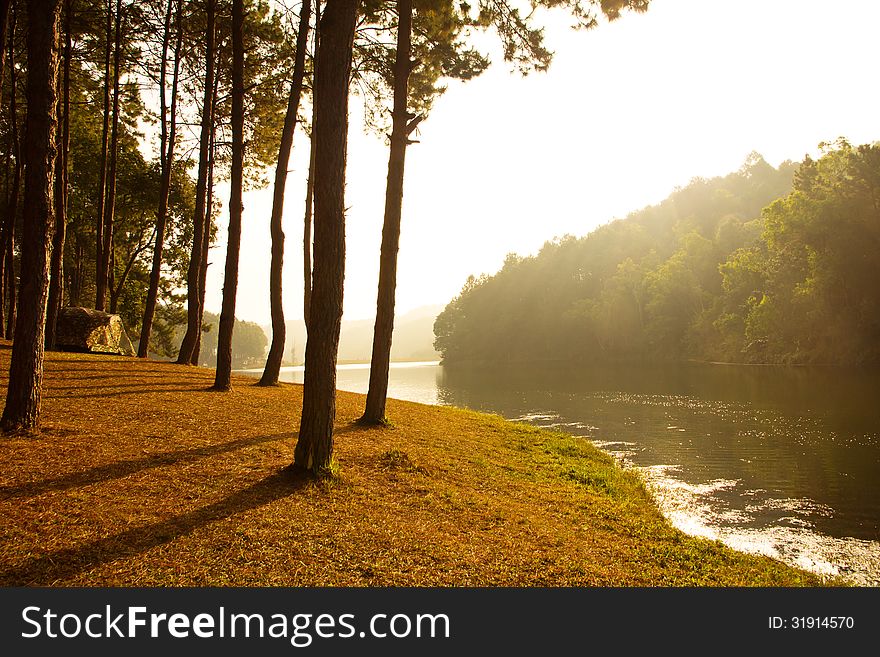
142	477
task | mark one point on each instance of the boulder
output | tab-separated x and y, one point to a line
84	329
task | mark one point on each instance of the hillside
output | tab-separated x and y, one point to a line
142	477
764	265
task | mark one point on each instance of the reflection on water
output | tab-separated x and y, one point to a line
414	381
776	460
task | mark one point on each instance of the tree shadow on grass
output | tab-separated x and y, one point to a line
84	373
138	390
356	425
56	375
124	468
63	564
152	386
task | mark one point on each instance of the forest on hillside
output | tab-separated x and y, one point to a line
764	265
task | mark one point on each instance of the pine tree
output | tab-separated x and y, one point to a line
314	447
22	411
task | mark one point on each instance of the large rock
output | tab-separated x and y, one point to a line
84	329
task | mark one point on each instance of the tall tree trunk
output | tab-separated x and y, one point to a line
307	231
7	178
402	125
4	25
22	411
56	275
100	286
110	205
111	269
310	187
193	309
314	447
4	33
206	241
8	282
276	351
230	275
169	136
13	159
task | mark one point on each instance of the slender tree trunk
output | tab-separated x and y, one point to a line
307	232
169	136
117	285
10	278
116	288
4	33
9	234
12	158
314	448
76	272
22	411
150	305
206	243
402	125
7	179
56	276
111	272
230	276
100	282
310	187
193	309
4	25
110	205
276	351
53	303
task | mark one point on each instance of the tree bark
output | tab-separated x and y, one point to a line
9	280
4	25
206	243
110	206
22	411
169	137
310	187
276	351
380	361
307	232
8	243
314	447
223	374
4	34
56	275
102	181
193	308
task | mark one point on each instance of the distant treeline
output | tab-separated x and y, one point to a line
764	265
249	343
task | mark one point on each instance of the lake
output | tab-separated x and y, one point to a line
782	461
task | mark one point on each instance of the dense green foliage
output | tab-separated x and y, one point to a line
762	265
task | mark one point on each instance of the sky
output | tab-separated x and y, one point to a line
626	113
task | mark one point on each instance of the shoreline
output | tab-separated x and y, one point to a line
826	555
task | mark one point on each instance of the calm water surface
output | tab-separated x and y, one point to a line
781	461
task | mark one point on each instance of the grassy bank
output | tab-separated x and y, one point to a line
143	477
